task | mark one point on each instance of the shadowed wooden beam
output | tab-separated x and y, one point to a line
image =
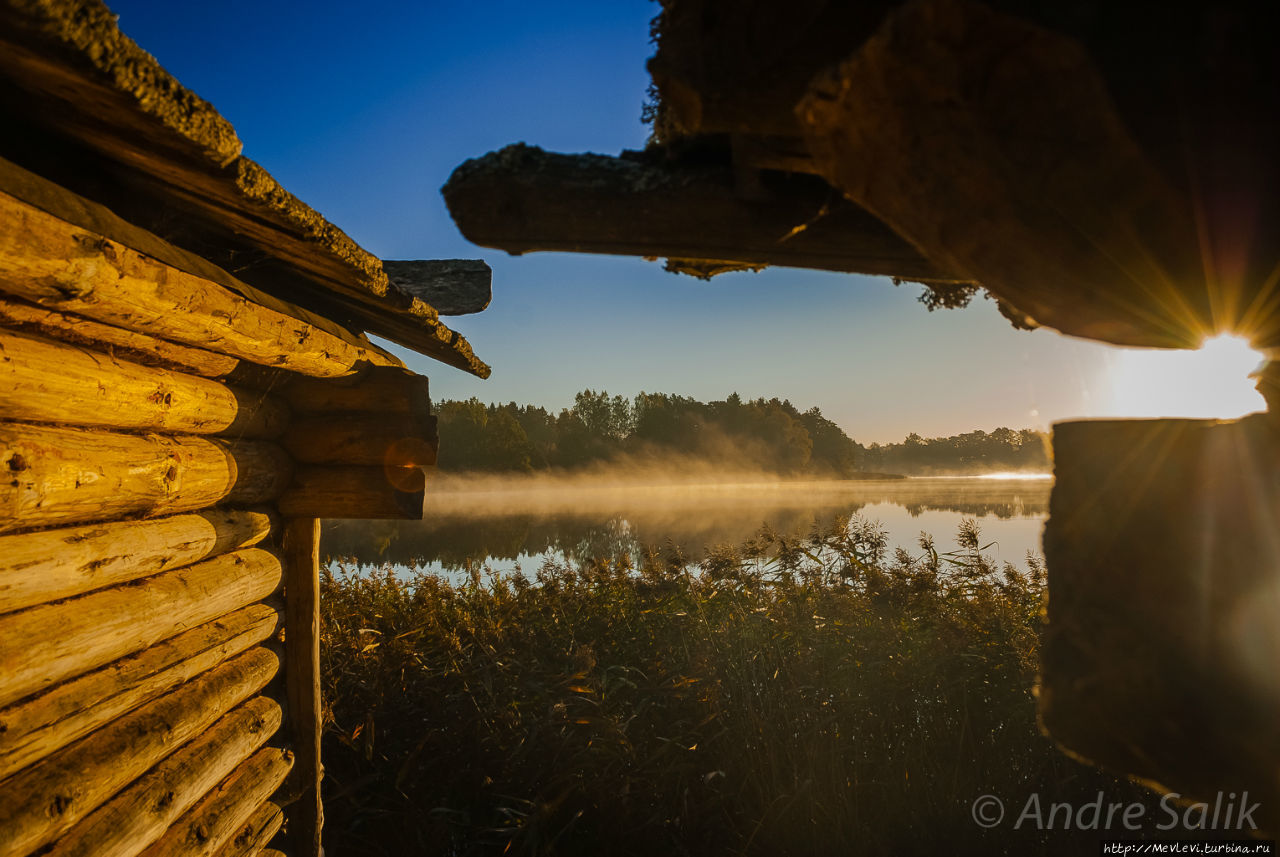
301	553
452	286
1164	588
522	199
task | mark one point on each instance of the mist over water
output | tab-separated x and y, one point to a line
508	523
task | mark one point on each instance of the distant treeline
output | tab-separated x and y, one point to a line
769	435
974	452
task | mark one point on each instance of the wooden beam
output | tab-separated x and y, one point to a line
522	199
355	492
53	263
368	440
144	811
1028	182
452	286
379	389
42	724
138	347
52	564
98	628
48	799
215	820
52	382
56	476
1164	582
302	681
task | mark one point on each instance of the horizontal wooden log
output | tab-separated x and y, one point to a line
141	814
254	834
451	286
365	440
80	634
129	344
522	199
54	476
53	382
51	564
44	801
355	492
215	820
379	389
39	725
50	262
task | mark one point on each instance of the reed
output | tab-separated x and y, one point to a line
793	695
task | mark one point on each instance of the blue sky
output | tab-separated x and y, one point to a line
363	111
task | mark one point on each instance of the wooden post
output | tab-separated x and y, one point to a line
302	679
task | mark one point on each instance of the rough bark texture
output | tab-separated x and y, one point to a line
48	799
302	681
142	813
98	628
255	833
366	440
452	286
522	199
37	726
52	564
56	476
216	819
138	347
52	382
1164	588
355	492
52	263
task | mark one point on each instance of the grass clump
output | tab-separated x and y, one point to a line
788	696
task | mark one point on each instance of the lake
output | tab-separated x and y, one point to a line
516	524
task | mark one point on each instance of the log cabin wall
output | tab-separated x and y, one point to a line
168	447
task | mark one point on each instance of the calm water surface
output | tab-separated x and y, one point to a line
511	526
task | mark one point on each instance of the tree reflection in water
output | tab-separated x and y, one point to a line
523	523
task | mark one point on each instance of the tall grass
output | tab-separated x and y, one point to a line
787	696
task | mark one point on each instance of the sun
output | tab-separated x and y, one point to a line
1211	382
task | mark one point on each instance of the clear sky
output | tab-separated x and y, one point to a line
363	110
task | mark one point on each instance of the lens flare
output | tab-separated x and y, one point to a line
1211	382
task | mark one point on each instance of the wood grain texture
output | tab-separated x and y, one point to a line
50	564
46	800
215	820
80	634
367	440
52	382
394	493
50	262
141	814
40	725
378	389
130	344
301	553
55	476
254	834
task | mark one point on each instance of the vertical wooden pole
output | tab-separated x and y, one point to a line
302	679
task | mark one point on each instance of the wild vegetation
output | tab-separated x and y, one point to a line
787	696
758	435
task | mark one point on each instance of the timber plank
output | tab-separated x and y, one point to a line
46	800
302	680
39	725
141	814
58	476
96	629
